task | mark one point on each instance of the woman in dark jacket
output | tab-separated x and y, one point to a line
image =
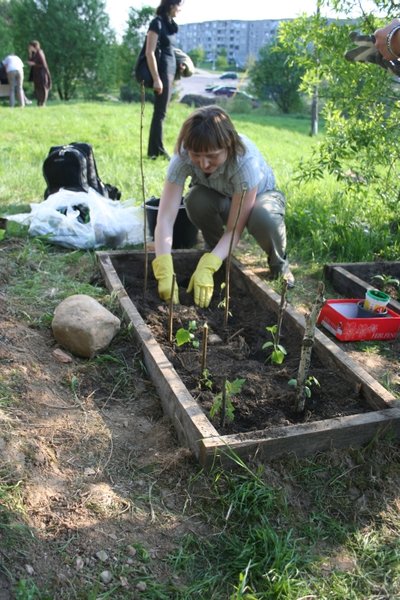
160	42
40	74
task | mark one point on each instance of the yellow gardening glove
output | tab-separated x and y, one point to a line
163	269
202	279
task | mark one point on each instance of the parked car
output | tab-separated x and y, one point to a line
210	87
229	75
224	90
231	91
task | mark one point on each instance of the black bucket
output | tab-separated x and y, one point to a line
184	233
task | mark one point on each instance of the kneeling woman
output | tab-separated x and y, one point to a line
221	164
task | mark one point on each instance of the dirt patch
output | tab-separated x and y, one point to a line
266	399
95	464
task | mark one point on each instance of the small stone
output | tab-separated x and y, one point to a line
132	551
106	576
79	563
141	586
213	339
61	356
89	472
102	555
29	569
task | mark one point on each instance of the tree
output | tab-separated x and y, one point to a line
6	40
76	37
221	60
275	77
197	55
361	105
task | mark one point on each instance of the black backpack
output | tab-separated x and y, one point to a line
73	167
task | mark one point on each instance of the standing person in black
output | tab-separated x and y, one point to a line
161	35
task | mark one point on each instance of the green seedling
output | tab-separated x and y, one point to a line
278	353
223	401
309	382
205	380
387	283
186	336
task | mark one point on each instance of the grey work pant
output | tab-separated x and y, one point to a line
16	80
209	210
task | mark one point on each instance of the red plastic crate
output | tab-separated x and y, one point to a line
339	317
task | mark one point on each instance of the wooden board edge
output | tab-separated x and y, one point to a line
190	422
305	439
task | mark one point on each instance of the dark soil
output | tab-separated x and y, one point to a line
266	399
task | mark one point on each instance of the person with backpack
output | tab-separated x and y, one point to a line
161	61
232	187
39	74
14	68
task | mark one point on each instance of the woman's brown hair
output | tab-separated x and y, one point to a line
165	6
207	129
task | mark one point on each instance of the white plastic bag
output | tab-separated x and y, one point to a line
85	220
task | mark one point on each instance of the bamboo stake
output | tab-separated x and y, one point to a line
204	348
223	403
306	348
146	269
229	260
171	309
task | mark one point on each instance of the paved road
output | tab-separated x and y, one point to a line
197	83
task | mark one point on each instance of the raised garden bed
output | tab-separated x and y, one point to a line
353	279
348	409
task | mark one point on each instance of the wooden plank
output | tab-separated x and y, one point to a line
351	286
328	352
189	420
304	439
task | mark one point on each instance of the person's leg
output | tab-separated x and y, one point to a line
267	225
11	76
209	211
19	79
45	95
156	145
40	93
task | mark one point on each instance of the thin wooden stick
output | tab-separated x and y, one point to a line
146	268
204	348
306	348
223	403
281	311
229	260
171	309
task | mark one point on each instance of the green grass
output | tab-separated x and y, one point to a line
326	527
323	223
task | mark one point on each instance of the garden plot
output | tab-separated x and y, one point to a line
353	279
347	407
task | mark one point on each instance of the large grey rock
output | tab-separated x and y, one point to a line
83	326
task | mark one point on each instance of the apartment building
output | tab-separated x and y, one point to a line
242	40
